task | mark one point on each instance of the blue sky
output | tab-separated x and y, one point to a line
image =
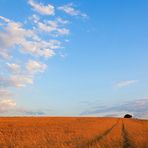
73	57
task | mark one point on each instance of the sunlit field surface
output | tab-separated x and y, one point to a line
80	132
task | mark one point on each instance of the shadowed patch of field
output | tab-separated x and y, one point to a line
78	132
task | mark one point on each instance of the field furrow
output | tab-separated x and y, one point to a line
70	132
93	142
126	141
136	132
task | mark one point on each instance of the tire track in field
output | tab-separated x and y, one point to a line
126	141
92	142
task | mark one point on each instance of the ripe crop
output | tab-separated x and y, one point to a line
72	132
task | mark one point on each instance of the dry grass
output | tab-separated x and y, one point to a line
60	132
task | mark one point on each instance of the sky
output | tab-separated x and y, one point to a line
74	58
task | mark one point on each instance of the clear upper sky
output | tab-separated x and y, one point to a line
81	57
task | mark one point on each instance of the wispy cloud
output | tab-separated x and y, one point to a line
136	107
69	9
125	83
42	9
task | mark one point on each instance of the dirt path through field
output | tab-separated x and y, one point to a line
126	141
93	142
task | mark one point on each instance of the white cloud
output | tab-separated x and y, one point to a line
24	45
9	103
35	66
42	9
20	76
5	54
54	27
48	53
15	68
62	21
46	27
69	9
14	35
125	83
63	31
27	40
35	18
6	105
5	19
20	80
40	48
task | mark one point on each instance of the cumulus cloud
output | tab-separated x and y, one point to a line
136	107
42	9
25	45
35	66
20	76
14	34
69	9
125	83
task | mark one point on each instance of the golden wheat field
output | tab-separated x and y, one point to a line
72	132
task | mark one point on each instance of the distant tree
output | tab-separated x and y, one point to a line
127	116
